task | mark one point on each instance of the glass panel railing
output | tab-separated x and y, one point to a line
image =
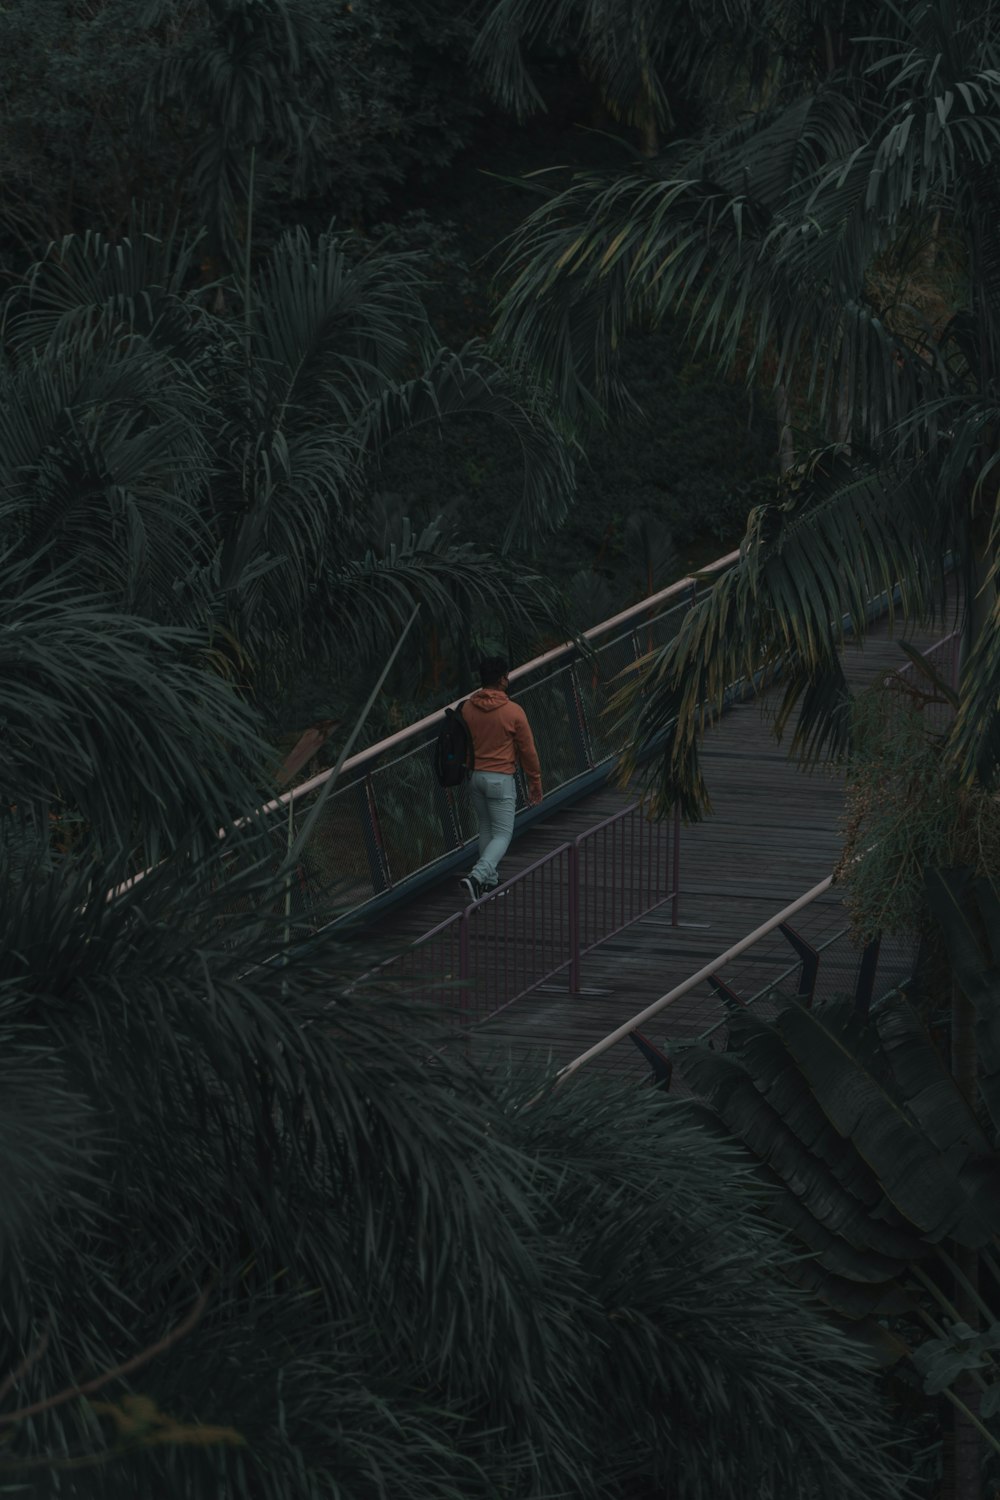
397	821
388	819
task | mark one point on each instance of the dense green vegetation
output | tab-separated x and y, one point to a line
315	313
842	235
406	150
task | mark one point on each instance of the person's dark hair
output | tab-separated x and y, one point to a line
491	669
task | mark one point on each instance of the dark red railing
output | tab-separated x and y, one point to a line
544	920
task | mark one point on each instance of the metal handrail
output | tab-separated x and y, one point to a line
674	591
772	984
359	770
680	990
476	918
946	646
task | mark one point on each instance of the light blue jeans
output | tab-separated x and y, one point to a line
493	795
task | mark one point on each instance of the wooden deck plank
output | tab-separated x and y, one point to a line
774	832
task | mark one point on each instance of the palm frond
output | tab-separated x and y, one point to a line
338	322
366	600
240	75
385	1231
631	48
726	232
654	1266
140	743
102	468
51	1140
809	570
471	382
973	743
88	289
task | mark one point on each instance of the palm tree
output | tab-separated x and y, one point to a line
815	235
769	235
196	486
636	50
248	75
261	1238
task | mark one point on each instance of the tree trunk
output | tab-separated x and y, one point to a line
649	135
786	448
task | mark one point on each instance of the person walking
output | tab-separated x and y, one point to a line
501	736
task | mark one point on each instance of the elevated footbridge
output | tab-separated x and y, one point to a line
601	912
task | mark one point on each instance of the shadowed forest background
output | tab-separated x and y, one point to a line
406	149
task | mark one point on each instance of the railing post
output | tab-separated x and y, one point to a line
444	802
577	722
574	918
675	868
866	976
810	962
381	879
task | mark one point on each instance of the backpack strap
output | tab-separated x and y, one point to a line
471	760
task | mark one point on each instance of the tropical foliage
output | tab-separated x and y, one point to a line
887	1165
804	238
638	51
256	1243
265	1231
837	240
186	490
164	102
905	810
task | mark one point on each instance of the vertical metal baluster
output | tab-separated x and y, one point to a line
590	894
640	840
543	936
490	913
643	857
609	878
630	823
676	867
625	842
507	992
534	925
516	957
534	928
574	919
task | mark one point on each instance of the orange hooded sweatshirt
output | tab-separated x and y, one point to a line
500	732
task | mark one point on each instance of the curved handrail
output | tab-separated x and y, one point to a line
680	990
556	653
403	739
946	646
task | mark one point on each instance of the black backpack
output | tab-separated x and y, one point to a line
453	753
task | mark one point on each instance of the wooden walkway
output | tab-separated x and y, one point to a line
774	832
